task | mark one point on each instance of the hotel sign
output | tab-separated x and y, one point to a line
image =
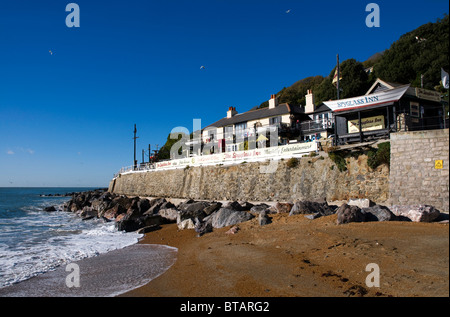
368	124
384	97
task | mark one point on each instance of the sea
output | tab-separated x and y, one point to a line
38	249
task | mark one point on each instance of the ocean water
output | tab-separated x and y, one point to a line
36	246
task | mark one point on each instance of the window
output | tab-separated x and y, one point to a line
228	132
240	130
275	120
414	109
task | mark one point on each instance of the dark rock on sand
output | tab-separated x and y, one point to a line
378	213
226	217
264	219
311	207
347	214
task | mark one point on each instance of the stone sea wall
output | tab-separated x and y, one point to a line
420	168
314	178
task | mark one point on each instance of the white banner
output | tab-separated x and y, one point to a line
386	96
270	152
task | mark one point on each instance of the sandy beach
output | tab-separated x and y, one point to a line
297	257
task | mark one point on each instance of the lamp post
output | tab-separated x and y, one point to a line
135	137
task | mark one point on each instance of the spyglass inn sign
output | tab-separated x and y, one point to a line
379	99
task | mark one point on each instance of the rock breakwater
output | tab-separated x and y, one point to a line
144	215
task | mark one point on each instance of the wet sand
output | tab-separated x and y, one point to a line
105	275
295	256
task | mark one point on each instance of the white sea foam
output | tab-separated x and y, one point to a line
48	240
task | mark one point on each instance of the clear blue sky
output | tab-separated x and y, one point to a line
66	119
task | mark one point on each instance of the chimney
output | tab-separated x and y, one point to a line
273	102
310	107
231	112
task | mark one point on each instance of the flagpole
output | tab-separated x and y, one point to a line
337	57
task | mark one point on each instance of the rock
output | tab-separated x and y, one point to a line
127	224
183	215
195	207
416	213
246	205
259	208
170	214
150	220
234	205
202	227
361	203
113	212
131	222
311	207
283	207
214	206
88	213
186	224
313	216
233	230
347	214
155	206
226	217
49	209
263	219
143	205
378	213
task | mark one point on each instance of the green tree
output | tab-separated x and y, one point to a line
420	52
164	152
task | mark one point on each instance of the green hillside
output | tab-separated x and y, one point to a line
423	51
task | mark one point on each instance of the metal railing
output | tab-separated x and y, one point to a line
316	125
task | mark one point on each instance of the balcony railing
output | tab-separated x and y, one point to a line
315	125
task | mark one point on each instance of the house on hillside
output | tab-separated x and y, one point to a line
386	108
277	124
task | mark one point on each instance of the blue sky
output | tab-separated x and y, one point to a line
66	117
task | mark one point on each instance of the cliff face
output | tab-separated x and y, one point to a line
313	178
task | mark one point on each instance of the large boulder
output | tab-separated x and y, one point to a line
361	202
113	212
186	224
154	206
170	214
234	205
226	217
214	206
259	208
129	222
88	213
202	227
311	207
194	207
416	213
347	214
378	213
264	219
283	208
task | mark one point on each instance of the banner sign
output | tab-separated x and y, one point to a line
368	124
269	152
379	98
